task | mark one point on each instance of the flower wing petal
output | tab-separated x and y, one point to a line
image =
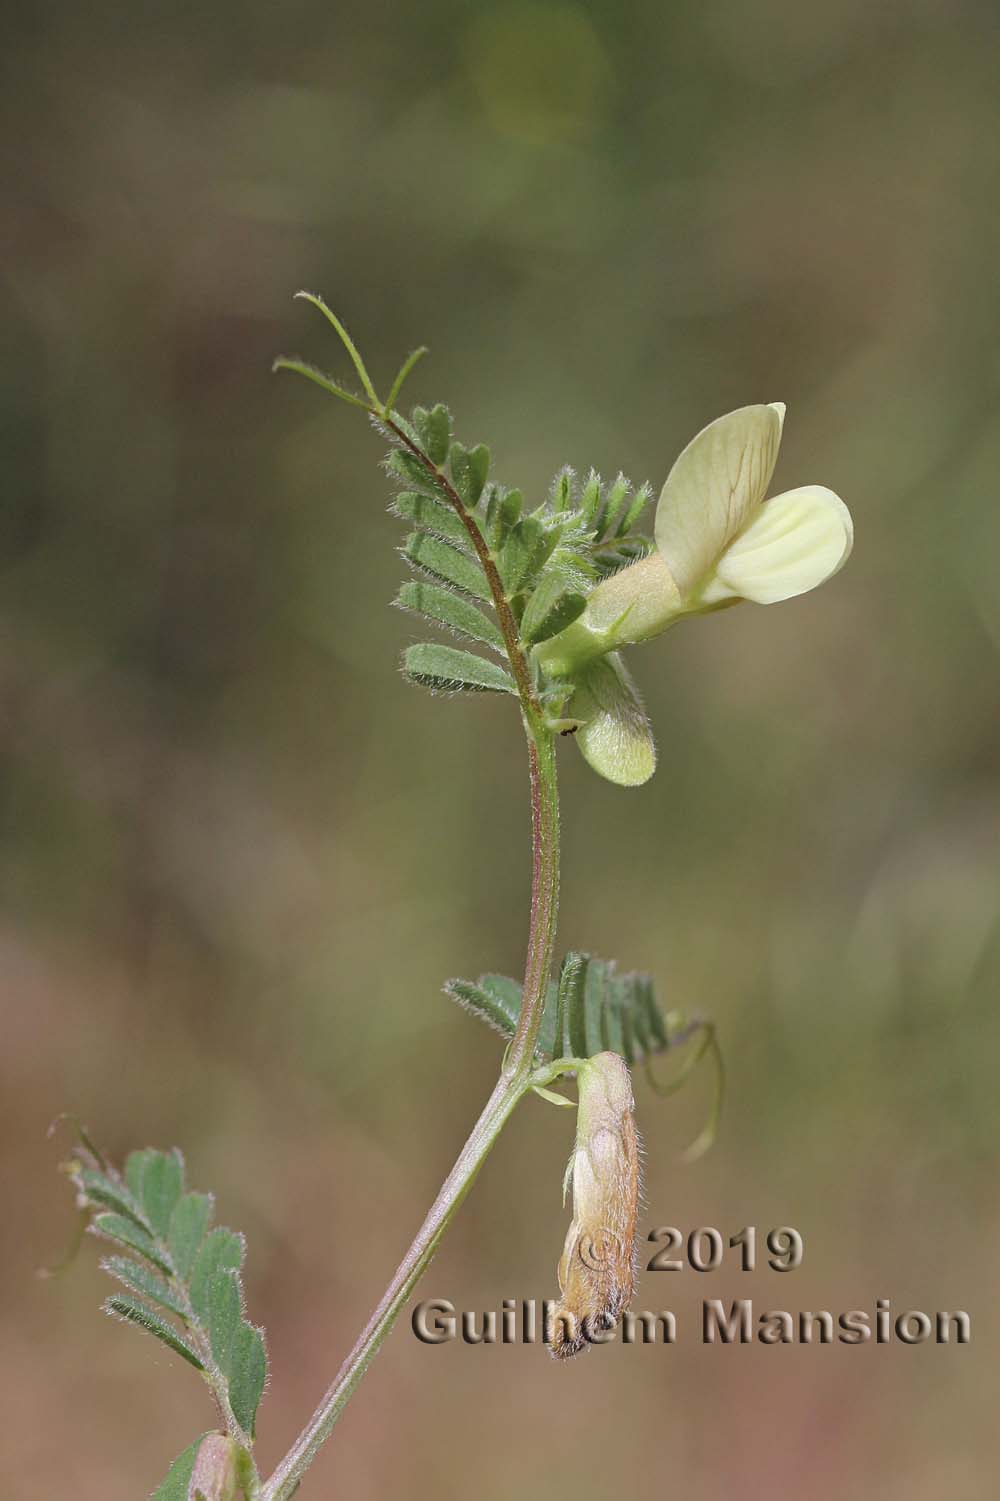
615	737
714	489
796	541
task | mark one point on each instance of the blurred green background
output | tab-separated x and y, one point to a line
240	856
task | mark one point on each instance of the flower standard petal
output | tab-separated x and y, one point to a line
795	542
714	490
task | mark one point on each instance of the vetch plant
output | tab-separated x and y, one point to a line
546	596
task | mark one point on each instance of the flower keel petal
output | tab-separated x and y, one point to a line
796	541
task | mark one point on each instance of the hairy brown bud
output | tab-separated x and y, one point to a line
214	1477
597	1268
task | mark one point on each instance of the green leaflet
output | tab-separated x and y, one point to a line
247	1376
127	1233
223	1315
447	670
561	494
100	1189
410	468
590	499
469	471
145	1282
550	609
522	554
188	1224
571	1026
451	610
134	1311
434	431
237	1347
613	502
135	1171
496	1000
446	564
503	511
433	515
162	1181
608	560
222	1251
634	510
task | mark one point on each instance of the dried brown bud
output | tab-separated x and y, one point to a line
597	1269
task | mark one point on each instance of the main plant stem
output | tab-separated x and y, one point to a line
512	1084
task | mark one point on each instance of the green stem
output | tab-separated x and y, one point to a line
515	1076
286	1477
514	1081
544	894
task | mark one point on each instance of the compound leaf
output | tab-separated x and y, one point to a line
186	1289
590	1009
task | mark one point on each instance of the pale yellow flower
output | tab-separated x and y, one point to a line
719	540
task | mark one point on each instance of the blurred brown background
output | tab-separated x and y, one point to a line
240	855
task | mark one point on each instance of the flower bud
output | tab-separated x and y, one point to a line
614	735
215	1473
596	1269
